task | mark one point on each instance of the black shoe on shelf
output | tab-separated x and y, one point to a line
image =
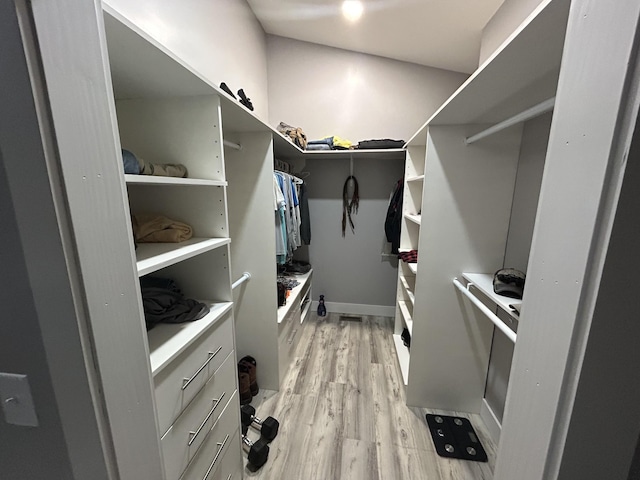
406	338
244	100
225	88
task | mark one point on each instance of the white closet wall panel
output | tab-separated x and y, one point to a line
222	40
253	247
463	184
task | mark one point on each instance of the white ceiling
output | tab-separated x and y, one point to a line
437	33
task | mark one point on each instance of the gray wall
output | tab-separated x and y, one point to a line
221	39
508	17
329	91
351	269
535	137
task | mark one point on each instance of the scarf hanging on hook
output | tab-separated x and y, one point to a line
350	202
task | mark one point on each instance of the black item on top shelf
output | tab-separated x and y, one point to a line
509	282
380	143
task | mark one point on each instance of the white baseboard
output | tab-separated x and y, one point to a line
358	309
490	420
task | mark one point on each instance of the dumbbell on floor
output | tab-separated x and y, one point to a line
257	452
268	427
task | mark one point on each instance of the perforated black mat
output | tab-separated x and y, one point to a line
454	437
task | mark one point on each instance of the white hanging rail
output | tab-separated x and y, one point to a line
235	146
511	335
528	114
245	276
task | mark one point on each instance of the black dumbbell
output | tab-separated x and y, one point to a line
257	452
268	427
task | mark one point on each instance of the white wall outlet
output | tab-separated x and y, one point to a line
16	400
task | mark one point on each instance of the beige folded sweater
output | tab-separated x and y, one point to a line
153	228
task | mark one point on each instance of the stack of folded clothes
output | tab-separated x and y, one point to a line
330	143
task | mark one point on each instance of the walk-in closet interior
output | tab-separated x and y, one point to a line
360	281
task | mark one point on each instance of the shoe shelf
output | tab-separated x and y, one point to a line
409	285
167	341
169	181
413	217
295	292
155	256
406	316
403	357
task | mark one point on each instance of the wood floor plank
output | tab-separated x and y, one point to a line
343	413
359	460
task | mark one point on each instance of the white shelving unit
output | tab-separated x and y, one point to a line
466	213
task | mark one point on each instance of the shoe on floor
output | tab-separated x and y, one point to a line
244	385
250	364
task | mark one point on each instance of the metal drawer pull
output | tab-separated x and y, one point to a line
193	435
293	335
187	381
215	459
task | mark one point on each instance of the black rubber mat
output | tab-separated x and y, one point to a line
454	437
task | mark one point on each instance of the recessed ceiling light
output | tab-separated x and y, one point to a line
352	9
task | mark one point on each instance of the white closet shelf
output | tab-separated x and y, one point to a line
379	154
417	178
406	315
167	341
403	358
154	256
484	283
414	218
408	289
169	181
413	267
294	293
497	321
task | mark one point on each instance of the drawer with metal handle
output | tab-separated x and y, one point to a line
186	435
178	383
220	455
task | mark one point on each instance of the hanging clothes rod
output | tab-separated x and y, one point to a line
511	335
235	146
245	276
528	114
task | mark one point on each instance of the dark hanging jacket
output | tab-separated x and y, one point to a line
393	222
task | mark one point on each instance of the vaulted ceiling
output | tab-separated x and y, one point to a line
437	33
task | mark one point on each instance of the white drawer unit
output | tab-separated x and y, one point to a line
186	435
179	382
220	454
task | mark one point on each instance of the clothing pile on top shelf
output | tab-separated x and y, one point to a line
393	221
294	134
137	166
152	228
330	143
293	226
163	302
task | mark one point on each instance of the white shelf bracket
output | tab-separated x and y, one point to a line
511	335
245	276
528	114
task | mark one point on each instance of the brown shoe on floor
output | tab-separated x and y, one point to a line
244	383
250	363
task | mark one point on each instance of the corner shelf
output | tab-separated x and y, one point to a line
414	218
408	289
154	256
418	178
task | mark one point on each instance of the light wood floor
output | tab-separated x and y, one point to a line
343	415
